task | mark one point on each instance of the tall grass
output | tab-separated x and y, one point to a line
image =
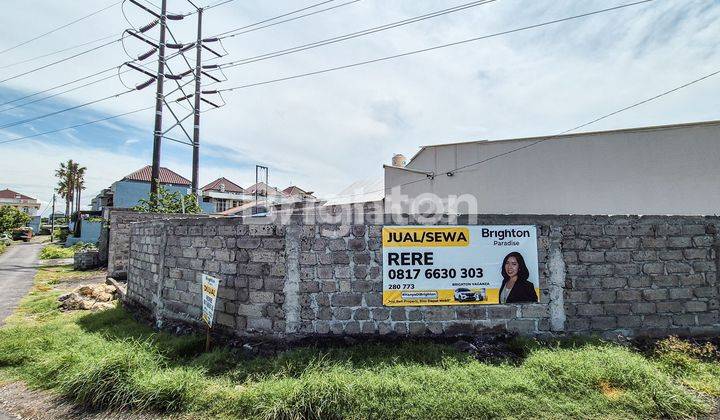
107	360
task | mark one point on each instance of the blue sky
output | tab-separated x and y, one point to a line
326	131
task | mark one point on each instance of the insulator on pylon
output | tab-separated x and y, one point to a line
210	66
173	76
149	26
215	39
145	84
175	46
141	57
175	17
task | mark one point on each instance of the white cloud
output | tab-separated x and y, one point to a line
323	132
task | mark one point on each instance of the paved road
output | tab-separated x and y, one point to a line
17	269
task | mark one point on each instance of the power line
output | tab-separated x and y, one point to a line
391	57
636	104
70	83
61	60
59	86
283	21
112	76
57	52
212	6
173	55
25	121
526	146
355	34
225	34
83	124
76	125
59	28
82	52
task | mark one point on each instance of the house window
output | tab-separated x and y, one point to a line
221	205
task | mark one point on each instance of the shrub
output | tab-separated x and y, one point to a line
51	252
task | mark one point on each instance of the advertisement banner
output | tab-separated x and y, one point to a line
209	297
459	265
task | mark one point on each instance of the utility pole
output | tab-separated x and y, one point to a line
52	221
157	134
196	110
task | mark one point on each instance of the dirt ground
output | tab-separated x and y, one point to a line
22	403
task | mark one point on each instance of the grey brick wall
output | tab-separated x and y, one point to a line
118	248
598	274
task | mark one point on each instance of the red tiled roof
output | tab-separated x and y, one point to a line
295	190
229	186
166	176
7	193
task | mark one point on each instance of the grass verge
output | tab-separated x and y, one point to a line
107	360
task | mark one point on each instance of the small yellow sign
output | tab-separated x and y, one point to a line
426	236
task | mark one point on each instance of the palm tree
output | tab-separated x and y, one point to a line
66	186
79	182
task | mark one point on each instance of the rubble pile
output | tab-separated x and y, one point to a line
90	297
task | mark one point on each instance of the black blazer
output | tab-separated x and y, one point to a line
522	292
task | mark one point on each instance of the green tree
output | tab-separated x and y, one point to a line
11	218
169	202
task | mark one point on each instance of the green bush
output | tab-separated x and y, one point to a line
51	252
3	247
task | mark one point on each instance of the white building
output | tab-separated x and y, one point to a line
27	205
651	170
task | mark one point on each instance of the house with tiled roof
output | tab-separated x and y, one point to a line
295	191
22	202
130	189
223	194
264	198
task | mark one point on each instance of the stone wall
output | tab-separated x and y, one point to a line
598	274
118	248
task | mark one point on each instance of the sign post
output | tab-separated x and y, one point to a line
459	265
210	287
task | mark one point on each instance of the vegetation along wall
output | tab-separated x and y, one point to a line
609	275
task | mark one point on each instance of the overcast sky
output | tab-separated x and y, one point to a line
326	131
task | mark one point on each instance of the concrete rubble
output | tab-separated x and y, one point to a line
90	297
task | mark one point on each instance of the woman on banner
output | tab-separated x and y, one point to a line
516	288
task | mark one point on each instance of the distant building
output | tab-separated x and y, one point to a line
268	197
223	194
362	191
102	200
662	170
25	204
